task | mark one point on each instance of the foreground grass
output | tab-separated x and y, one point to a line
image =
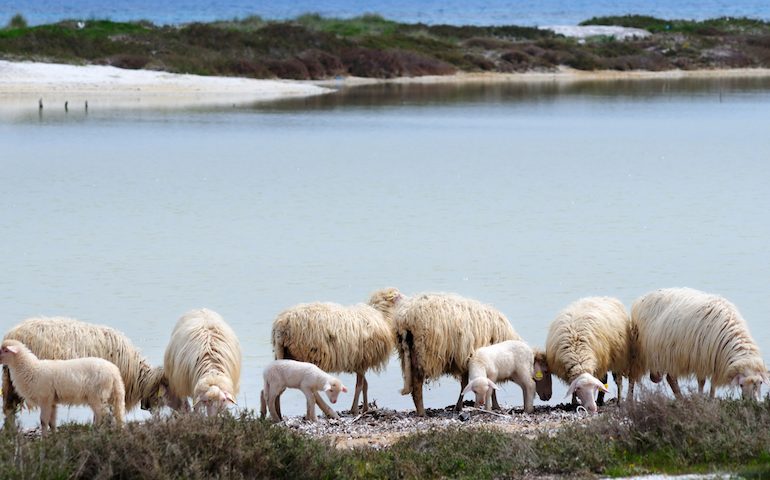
655	435
315	47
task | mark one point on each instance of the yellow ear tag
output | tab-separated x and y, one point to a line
607	386
538	375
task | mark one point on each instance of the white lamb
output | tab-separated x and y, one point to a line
45	383
511	360
282	374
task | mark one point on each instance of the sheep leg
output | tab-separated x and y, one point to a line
463	384
674	383
619	383
359	386
600	396
11	399
366	396
45	415
52	418
417	395
495	405
273	401
701	385
324	407
712	389
311	401
278	405
262	405
630	397
528	390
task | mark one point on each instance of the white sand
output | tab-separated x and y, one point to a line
23	83
586	31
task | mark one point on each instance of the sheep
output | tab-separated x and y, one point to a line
81	381
282	374
683	332
338	338
43	336
203	361
511	360
587	339
438	332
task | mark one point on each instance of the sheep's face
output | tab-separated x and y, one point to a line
214	400
543	381
385	299
333	389
751	385
8	351
586	386
482	387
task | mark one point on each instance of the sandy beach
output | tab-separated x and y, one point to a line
23	83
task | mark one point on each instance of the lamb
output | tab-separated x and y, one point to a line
339	338
511	360
586	340
282	374
203	361
438	332
46	383
43	336
683	332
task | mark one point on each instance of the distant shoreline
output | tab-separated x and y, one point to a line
22	84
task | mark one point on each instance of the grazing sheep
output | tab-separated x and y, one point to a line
88	381
282	374
339	338
438	332
511	360
44	337
203	361
683	332
586	340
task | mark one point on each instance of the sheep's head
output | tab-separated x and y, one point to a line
542	377
385	299
9	350
482	387
333	388
154	388
212	397
751	385
586	386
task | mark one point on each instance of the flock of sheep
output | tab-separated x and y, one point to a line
671	333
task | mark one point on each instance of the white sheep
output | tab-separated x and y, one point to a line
339	338
586	340
43	336
88	381
511	360
438	332
282	374
684	332
203	361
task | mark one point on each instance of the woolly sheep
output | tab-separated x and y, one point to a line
438	332
511	360
88	381
282	374
43	336
203	361
683	332
339	338
586	340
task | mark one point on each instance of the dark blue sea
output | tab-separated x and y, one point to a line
487	12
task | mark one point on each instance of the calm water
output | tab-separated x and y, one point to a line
486	12
527	197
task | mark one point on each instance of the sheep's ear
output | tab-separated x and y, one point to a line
467	388
492	384
229	398
601	386
12	348
572	387
327	387
765	377
344	389
737	380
